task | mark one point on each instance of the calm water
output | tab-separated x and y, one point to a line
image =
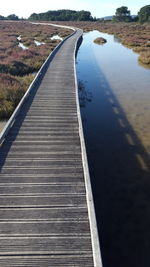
114	98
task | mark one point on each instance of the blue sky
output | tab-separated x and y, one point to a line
98	8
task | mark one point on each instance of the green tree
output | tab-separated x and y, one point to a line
12	17
122	14
144	14
63	15
84	16
2	17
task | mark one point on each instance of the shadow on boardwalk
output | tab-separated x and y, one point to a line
120	175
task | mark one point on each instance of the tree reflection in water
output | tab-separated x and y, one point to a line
84	94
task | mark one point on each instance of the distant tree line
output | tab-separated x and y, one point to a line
10	17
63	15
123	14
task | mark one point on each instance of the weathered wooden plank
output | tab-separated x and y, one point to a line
44	228
42	214
40	171
41	163
41	189
27	179
62	131
65	200
44	148
47	261
51	245
43	138
39	155
43	143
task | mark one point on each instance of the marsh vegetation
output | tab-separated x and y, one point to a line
19	65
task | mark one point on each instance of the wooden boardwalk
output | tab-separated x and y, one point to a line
45	210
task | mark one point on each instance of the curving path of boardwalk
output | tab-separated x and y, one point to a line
46	208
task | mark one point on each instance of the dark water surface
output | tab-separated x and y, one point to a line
114	99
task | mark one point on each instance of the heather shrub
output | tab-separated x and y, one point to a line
6	109
12	90
17	65
144	57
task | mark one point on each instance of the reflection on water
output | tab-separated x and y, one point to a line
117	151
84	95
117	39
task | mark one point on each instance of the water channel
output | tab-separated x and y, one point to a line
114	92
